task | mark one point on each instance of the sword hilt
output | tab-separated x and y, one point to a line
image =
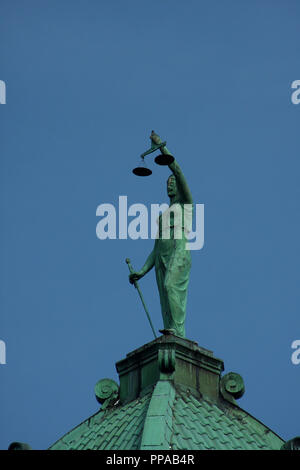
129	265
131	270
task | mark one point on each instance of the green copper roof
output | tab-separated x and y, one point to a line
214	427
118	428
170	397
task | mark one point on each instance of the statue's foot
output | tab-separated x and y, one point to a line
167	332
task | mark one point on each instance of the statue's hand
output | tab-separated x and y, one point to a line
135	277
155	138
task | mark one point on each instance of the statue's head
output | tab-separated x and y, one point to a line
171	186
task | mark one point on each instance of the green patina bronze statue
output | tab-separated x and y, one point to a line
170	256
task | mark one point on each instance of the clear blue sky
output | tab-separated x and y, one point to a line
86	83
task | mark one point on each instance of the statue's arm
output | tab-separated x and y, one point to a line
149	263
180	179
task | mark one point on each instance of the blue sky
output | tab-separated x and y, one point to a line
86	83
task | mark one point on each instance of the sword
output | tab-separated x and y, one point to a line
135	283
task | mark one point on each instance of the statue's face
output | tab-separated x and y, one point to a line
171	186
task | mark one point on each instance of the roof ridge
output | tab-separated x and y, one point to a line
158	422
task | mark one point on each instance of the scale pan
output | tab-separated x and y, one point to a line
164	159
142	171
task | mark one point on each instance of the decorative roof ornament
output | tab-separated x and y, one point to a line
19	446
292	444
107	393
233	384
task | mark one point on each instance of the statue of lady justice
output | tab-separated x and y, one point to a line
170	255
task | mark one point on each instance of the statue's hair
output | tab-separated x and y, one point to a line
171	176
